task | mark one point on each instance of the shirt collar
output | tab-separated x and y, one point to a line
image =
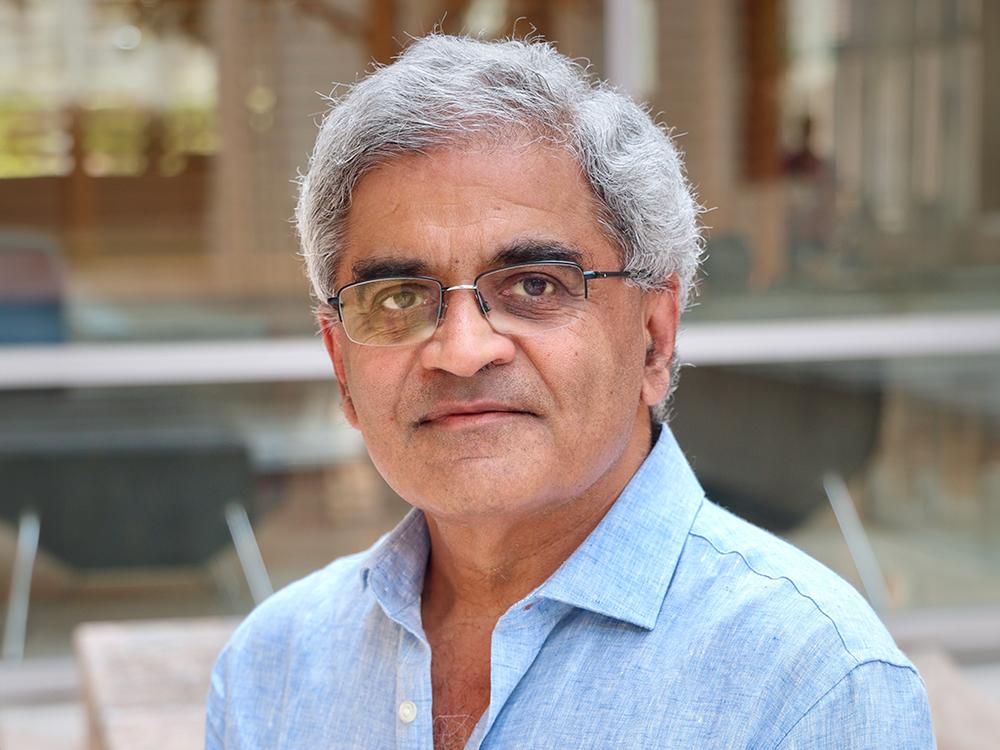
395	568
622	569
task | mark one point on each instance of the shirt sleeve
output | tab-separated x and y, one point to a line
215	710
876	706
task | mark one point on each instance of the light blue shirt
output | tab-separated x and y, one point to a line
674	625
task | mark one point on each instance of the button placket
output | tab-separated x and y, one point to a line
517	638
413	694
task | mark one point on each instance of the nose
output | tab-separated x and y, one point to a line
464	341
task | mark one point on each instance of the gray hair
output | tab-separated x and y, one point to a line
443	90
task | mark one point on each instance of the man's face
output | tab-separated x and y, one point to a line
472	423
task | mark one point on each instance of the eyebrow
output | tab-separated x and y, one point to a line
519	251
387	268
532	251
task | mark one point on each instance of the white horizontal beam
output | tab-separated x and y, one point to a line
275	360
175	363
838	339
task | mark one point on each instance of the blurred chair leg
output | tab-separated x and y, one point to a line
16	626
248	552
858	543
228	583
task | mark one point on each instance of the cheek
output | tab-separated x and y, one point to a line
599	379
619	358
372	385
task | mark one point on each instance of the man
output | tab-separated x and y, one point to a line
503	248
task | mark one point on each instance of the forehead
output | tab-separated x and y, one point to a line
453	212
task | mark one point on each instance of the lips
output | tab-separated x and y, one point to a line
470	412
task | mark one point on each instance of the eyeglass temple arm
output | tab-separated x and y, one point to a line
334	302
591	275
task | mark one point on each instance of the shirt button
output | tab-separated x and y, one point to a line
407	711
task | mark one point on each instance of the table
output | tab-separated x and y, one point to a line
145	683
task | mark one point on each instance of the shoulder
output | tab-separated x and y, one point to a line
816	650
811	641
293	617
876	704
283	657
771	577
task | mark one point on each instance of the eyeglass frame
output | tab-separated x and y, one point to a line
484	308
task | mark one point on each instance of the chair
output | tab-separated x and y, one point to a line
102	499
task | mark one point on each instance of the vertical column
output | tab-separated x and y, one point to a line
232	188
381	29
762	41
695	91
990	130
630	46
701	91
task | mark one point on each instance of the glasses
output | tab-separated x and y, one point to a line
522	299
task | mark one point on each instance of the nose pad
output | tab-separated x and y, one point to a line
483	304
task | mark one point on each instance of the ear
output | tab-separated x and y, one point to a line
332	336
661	316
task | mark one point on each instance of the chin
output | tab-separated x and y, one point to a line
481	486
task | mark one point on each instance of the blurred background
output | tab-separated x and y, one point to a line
171	442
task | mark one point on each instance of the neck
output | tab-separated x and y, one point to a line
478	570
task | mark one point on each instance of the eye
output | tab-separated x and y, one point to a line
533	286
400	300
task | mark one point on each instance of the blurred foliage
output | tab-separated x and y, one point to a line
35	140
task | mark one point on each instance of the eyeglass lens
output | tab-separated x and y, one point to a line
520	300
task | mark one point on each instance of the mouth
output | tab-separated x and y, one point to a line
471	415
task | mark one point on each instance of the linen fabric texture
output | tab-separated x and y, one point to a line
675	624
